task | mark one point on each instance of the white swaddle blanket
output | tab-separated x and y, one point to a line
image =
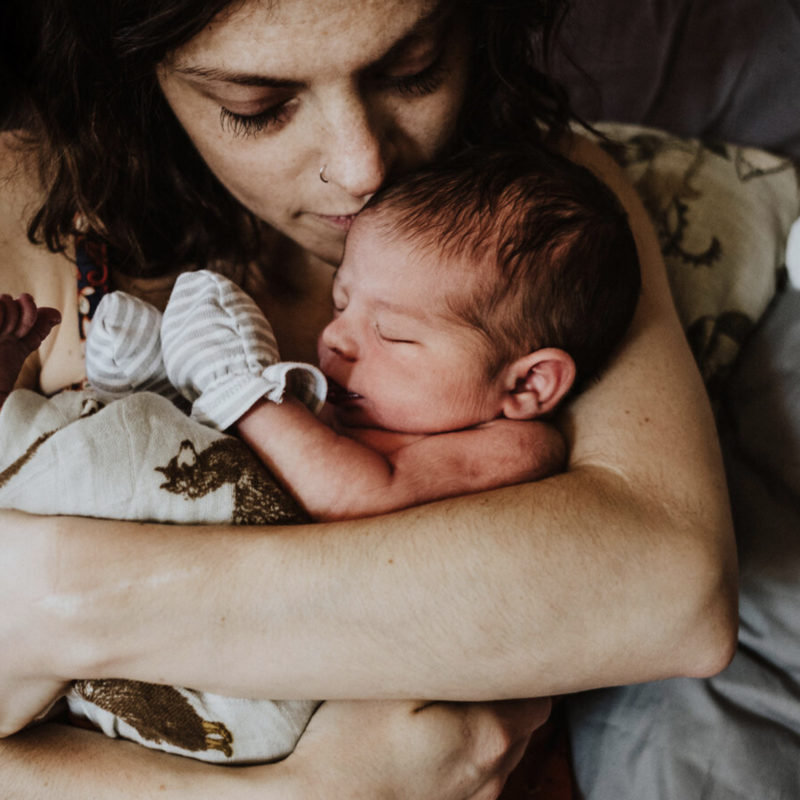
140	458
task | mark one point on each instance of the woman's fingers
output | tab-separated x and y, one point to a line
418	751
495	738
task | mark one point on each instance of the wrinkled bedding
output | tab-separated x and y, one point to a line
727	70
719	70
735	736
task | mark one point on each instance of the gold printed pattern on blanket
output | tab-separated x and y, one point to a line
159	714
141	458
89	407
257	499
15	466
722	213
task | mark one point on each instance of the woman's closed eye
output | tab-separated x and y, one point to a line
418	84
271	119
422	82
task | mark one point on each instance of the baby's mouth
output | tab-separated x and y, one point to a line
338	395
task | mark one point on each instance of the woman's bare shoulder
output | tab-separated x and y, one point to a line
585	151
656	292
28	267
20	187
24	265
651	391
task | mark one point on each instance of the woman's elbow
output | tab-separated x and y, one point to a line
713	622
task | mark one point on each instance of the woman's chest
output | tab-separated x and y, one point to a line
297	312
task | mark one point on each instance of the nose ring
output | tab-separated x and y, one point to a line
322	173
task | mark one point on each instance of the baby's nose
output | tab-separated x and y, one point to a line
337	338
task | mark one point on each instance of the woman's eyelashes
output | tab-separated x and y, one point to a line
270	119
424	82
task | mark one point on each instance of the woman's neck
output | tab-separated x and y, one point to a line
293	289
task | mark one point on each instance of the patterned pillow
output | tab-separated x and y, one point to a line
722	213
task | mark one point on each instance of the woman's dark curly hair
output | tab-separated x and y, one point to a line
113	156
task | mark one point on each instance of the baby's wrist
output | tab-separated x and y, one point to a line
226	399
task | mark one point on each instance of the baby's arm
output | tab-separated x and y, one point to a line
220	353
365	472
23	327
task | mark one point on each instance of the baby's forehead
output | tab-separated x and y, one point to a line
386	230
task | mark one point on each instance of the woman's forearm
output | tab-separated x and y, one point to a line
620	570
623	568
72	764
472	598
349	751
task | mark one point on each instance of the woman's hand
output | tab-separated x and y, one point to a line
417	751
29	686
351	751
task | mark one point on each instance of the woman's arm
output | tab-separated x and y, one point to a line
623	568
74	764
350	750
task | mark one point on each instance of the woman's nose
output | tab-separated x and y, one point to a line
337	337
358	150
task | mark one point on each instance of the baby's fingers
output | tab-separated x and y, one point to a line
19	317
43	322
9	315
27	315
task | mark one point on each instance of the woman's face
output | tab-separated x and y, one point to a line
272	92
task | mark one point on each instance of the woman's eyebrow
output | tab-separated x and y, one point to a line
430	20
239	78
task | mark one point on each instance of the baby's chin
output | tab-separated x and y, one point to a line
350	416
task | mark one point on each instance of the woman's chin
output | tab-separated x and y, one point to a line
325	242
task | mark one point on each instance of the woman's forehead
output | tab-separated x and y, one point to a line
288	39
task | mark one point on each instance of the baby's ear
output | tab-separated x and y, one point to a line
537	382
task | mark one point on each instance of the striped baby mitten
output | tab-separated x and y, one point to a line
123	349
221	354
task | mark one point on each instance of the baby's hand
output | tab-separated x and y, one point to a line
23	327
220	352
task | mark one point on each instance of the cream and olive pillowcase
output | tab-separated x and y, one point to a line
722	213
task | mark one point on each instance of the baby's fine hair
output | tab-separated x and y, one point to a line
567	270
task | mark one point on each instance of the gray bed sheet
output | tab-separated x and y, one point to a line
735	736
719	69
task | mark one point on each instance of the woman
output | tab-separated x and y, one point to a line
298	110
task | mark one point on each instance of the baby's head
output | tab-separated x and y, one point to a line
518	262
